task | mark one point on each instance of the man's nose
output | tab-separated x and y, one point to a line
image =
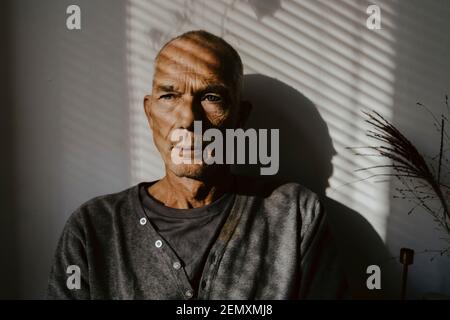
188	112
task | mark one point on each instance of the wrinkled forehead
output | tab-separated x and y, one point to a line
191	57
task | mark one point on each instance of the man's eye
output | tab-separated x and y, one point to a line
168	96
212	98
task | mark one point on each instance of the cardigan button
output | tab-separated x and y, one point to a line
188	294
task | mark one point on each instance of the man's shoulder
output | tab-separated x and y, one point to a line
274	189
284	201
107	201
103	209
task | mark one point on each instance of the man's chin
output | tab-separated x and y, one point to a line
192	171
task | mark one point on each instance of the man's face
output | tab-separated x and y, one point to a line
191	83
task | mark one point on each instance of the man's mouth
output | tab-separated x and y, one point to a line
186	148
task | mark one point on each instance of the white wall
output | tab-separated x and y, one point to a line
78	129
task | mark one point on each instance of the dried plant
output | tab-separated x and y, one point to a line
422	181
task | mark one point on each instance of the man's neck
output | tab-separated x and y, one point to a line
186	193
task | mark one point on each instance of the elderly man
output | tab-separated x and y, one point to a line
199	232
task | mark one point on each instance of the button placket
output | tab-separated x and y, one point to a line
167	254
170	256
217	250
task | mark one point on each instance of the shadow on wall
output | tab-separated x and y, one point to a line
306	151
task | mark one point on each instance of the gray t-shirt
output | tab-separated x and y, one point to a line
189	232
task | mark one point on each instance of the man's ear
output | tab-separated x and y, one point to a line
147	107
244	112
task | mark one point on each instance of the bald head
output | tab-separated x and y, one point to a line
201	48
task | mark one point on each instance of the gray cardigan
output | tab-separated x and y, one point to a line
275	244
